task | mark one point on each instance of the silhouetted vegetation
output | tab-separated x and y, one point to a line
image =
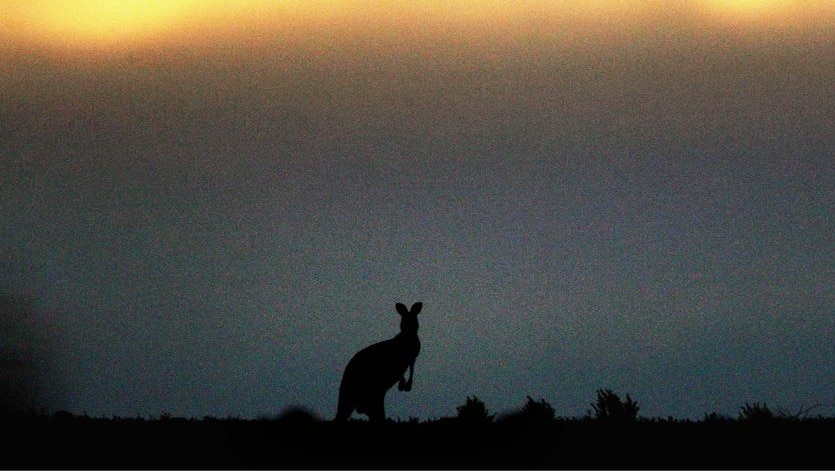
610	408
756	412
532	437
474	412
298	415
533	413
713	417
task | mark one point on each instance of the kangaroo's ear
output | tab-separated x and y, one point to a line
416	307
401	309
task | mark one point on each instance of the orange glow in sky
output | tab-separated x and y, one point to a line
770	11
88	22
106	24
753	7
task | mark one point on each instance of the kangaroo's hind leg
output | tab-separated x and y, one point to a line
377	409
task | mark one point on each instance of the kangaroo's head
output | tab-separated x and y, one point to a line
408	318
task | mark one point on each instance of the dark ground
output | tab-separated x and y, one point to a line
64	441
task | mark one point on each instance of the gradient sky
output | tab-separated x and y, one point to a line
207	210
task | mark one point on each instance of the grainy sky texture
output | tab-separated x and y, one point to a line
207	209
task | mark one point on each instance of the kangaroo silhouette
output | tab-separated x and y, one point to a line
375	369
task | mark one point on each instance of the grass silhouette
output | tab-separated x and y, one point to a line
610	407
474	412
531	438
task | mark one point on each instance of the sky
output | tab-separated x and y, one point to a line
208	207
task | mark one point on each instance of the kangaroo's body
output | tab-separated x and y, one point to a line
375	369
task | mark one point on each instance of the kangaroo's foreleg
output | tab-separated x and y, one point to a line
407	385
344	410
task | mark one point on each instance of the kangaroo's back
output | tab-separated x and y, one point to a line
372	371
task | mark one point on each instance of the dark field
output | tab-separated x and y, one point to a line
65	441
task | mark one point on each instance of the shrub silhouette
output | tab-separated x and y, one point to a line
62	416
803	413
609	407
374	370
756	413
540	411
532	413
716	418
297	416
474	412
